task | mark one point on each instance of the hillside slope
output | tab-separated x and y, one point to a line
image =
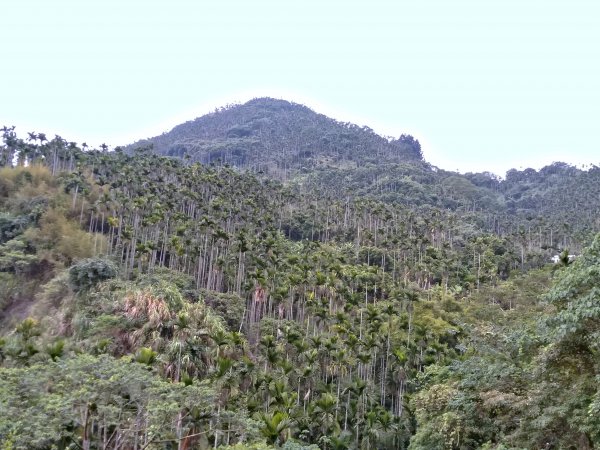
278	136
387	306
320	156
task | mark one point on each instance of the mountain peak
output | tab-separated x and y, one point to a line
275	134
271	102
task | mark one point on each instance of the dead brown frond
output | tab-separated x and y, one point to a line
143	305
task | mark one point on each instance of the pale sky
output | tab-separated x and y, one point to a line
483	84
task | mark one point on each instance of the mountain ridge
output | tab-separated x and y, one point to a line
278	135
361	303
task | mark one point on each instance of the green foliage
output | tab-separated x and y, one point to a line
367	301
529	378
56	349
14	257
275	426
22	347
60	240
230	307
24	180
9	288
11	227
145	355
576	294
86	273
260	446
182	282
55	404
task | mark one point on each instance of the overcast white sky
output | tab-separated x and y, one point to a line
483	84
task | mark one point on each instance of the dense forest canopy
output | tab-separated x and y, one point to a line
267	277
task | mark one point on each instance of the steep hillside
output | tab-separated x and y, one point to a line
319	156
147	301
278	136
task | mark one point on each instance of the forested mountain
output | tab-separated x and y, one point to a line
296	292
339	161
279	137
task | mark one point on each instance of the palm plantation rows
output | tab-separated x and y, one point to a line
282	280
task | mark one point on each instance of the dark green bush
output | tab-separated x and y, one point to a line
88	272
